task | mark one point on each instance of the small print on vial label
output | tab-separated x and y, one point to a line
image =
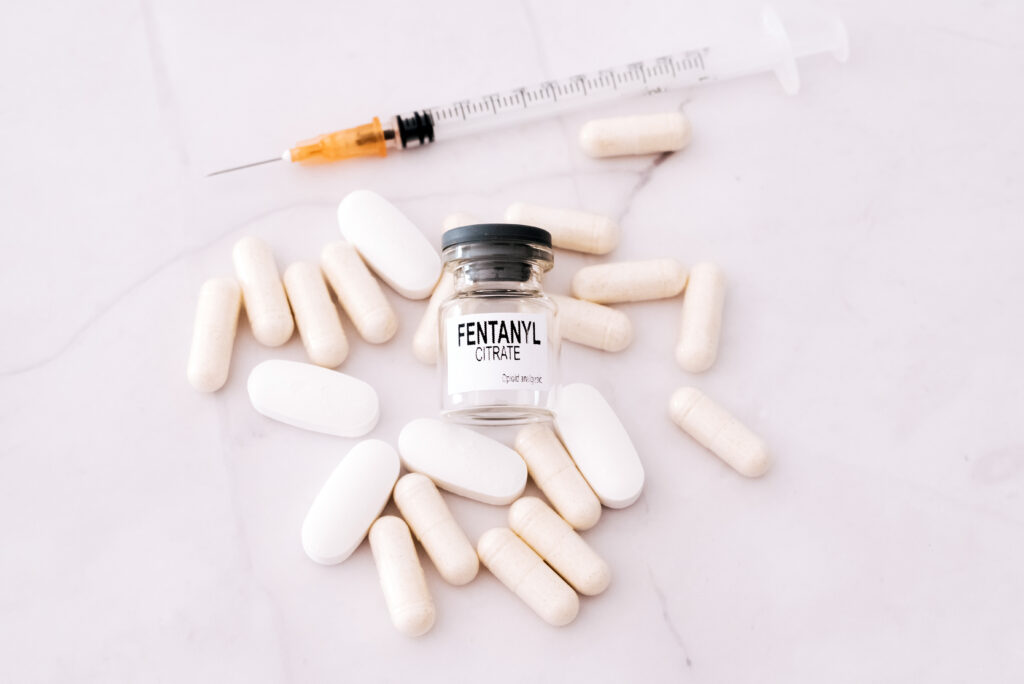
497	351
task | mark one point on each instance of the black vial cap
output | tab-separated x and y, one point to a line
513	234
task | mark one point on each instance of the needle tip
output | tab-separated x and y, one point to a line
244	166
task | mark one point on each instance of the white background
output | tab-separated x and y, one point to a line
870	228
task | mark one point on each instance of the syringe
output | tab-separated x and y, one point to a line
773	46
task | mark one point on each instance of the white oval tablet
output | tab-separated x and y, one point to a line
349	502
462	461
389	243
599	445
313	398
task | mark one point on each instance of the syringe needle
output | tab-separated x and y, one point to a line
244	166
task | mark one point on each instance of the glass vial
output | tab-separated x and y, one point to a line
499	341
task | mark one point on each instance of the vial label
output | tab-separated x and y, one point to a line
495	351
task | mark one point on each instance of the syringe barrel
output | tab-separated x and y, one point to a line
553	97
766	45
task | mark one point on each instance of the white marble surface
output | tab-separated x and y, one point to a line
871	229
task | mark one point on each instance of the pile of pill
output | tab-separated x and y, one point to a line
582	462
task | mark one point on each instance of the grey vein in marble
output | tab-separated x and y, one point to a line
667	617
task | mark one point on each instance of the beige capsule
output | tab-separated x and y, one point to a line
425	342
640	134
265	302
592	324
358	292
700	324
401	576
554	472
629	281
458	219
558	544
526	574
580	231
423	507
213	334
316	316
719	431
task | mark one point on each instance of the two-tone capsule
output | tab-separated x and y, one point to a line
426	341
359	293
558	544
401	576
639	134
580	231
213	334
316	316
629	281
555	474
719	431
444	541
519	568
266	304
592	324
457	219
701	321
